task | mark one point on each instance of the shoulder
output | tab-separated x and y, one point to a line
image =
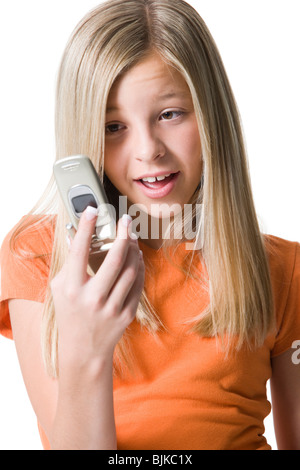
276	245
284	261
26	253
27	248
25	260
32	236
284	257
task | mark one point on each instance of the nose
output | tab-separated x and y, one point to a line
148	145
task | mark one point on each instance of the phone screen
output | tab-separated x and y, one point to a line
80	203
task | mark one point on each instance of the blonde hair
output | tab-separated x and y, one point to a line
111	39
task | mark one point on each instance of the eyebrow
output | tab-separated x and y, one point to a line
180	94
166	96
111	109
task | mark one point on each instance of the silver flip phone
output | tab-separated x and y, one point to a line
79	186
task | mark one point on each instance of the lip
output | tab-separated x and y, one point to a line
160	173
161	192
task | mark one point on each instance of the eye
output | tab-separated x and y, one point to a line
113	128
169	115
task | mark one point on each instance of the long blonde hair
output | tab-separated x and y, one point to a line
111	39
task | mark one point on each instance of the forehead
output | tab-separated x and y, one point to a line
150	76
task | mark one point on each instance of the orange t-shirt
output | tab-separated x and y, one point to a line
183	393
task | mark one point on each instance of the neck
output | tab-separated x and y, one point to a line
153	231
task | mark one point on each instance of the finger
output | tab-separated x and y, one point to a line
79	249
125	280
114	260
133	298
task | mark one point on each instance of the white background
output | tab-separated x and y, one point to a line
259	42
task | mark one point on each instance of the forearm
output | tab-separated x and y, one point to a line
85	415
92	313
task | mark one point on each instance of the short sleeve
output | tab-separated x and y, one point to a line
289	321
24	267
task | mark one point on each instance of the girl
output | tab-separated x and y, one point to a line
170	344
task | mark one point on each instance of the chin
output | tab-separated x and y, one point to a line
159	210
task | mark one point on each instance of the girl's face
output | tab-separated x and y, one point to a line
153	149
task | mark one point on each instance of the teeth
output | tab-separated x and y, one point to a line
160	178
152	179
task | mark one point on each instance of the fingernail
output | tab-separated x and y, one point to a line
126	220
71	230
134	236
91	212
68	241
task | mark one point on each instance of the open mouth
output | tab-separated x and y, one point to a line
158	186
155	182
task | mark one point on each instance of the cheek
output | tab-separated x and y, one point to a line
111	171
193	138
112	162
188	143
116	170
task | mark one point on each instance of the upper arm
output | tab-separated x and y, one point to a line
26	319
285	392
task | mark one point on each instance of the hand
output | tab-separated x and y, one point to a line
93	312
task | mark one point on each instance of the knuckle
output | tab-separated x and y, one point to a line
94	300
116	262
128	316
131	274
94	304
113	310
77	250
134	248
101	300
71	293
56	282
